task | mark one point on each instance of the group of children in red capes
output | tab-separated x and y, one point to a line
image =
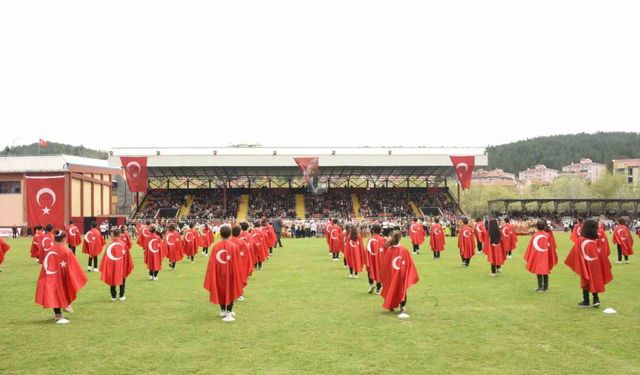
390	268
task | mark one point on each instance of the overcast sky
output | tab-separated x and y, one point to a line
323	73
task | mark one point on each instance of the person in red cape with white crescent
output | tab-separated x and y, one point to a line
335	240
373	258
4	248
493	247
400	275
74	238
92	246
344	238
327	230
245	257
417	235
271	235
480	233
116	265
172	246
437	240
261	225
509	238
623	239
466	244
60	279
154	254
541	255
586	258
258	243
248	239
604	239
577	229
190	241
222	280
35	243
124	237
205	239
46	242
143	237
354	252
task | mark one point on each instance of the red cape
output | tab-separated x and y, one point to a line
258	245
541	254
244	259
622	236
35	244
74	238
222	279
117	263
47	241
401	275
172	246
495	253
575	233
354	253
372	256
587	259
4	248
190	242
206	237
437	240
143	236
93	243
417	233
335	239
509	239
248	240
61	278
466	242
604	240
153	253
480	231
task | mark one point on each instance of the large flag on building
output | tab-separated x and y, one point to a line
310	169
45	200
135	169
463	165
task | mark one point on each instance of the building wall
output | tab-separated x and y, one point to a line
12	207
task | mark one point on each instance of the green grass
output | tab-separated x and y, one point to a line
303	316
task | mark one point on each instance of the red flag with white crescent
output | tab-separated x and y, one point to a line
45	200
135	169
463	166
308	166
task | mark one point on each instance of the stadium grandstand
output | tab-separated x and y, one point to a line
246	182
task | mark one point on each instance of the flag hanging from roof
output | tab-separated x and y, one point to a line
310	169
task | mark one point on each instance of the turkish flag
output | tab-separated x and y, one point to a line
308	166
463	165
223	279
45	201
400	275
43	143
135	169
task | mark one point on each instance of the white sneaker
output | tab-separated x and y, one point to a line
68	309
403	315
232	313
509	257
113	299
88	269
500	270
192	261
150	277
618	262
95	270
228	318
123	298
156	278
241	298
626	262
372	287
355	276
492	274
351	276
62	321
223	314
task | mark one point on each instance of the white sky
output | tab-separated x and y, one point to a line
322	73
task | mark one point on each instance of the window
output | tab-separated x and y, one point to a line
9	187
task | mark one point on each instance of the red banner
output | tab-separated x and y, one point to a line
135	169
308	166
463	165
45	200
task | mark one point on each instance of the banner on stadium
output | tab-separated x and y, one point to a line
463	166
310	169
45	200
135	169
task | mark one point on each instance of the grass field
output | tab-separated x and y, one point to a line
304	316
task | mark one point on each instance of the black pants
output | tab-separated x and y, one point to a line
479	245
626	257
436	254
378	284
495	268
95	262
344	260
153	273
585	296
270	250
314	234
228	308
57	311
113	289
205	250
543	281
279	243
416	247
403	303
258	265
466	261
509	253
73	249
335	255
172	265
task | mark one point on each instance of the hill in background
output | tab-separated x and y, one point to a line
53	149
560	150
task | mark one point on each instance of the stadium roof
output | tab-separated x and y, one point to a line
250	161
54	163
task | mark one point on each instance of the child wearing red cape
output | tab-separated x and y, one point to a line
399	275
244	258
205	239
335	240
124	237
37	237
604	240
154	254
92	246
437	240
116	265
624	240
172	246
74	238
222	280
190	240
60	279
373	258
493	248
509	238
587	259
46	242
259	244
480	232
417	235
4	248
466	243
354	252
541	255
